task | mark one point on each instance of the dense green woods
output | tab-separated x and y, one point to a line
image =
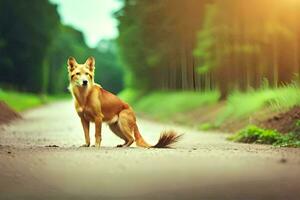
209	44
157	39
197	45
34	47
26	32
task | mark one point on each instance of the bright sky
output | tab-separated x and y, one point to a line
92	17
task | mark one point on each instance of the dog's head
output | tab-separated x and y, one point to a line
81	75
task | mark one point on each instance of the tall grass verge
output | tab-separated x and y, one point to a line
243	104
164	104
20	101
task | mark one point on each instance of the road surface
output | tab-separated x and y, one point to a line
202	166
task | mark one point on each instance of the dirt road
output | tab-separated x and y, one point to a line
202	166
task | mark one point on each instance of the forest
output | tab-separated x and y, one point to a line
35	45
184	45
209	44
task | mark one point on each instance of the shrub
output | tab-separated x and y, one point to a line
254	134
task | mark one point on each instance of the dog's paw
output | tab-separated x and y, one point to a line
85	145
96	145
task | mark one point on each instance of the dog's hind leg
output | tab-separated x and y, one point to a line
126	124
116	130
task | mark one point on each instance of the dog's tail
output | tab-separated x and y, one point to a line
166	139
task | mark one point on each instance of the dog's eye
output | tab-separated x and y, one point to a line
77	73
86	73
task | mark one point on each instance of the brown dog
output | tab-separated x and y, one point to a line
94	104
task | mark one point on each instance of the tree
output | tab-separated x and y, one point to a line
27	29
109	72
70	42
156	41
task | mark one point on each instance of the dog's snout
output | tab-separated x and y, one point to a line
85	82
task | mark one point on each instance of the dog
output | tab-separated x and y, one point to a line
95	104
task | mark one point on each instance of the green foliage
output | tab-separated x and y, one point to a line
254	134
298	123
131	46
34	47
164	104
207	41
130	96
243	104
26	33
286	97
236	47
109	72
156	41
214	45
21	101
70	42
206	126
289	140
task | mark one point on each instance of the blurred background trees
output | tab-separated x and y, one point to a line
27	30
209	44
34	47
156	42
197	45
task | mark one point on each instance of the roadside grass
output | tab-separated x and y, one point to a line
243	104
165	104
254	134
206	126
237	109
130	95
20	101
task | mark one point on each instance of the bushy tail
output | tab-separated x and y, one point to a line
166	139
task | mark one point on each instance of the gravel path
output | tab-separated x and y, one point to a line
202	166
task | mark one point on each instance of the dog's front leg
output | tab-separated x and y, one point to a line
86	129
98	127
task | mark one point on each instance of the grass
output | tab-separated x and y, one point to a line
243	104
165	104
23	101
130	95
20	101
253	134
239	106
206	126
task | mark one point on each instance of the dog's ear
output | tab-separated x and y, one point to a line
90	62
71	63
